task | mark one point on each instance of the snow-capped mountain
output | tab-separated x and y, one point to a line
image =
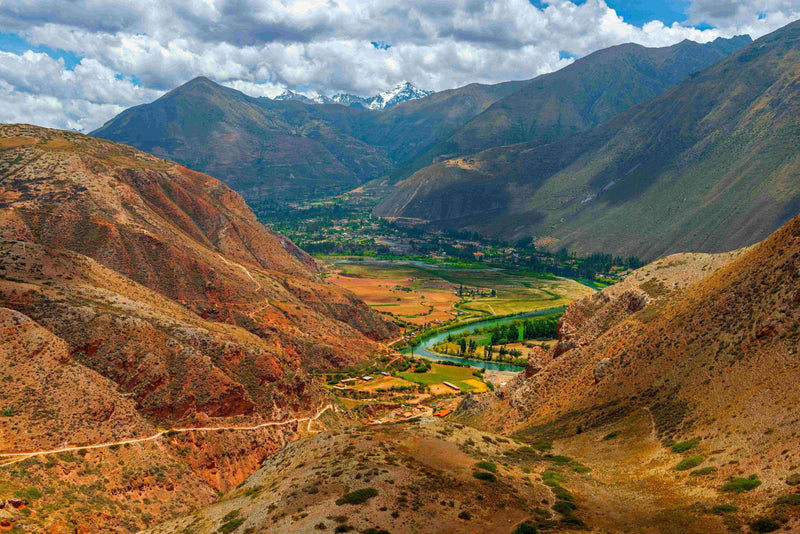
402	92
351	101
291	95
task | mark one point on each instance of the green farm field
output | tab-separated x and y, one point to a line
438	374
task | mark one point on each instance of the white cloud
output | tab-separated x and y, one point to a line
264	46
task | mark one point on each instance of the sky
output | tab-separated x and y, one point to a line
75	64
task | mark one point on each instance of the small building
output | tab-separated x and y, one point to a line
345	380
340	388
452	386
366	378
384	373
442	413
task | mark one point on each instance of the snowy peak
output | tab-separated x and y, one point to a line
291	95
351	101
402	92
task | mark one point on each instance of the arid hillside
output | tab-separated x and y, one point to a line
708	347
418	476
180	233
140	296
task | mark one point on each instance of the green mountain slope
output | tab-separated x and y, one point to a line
592	90
709	165
285	150
261	147
269	149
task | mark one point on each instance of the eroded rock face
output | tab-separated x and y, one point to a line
601	369
13	503
469	405
531	368
562	346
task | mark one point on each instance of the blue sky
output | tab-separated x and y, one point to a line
76	64
638	12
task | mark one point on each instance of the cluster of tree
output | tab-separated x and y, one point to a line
474	292
489	350
467	346
341	247
532	328
421	365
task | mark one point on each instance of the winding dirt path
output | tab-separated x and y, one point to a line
14	457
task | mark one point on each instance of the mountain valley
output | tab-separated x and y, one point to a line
563	304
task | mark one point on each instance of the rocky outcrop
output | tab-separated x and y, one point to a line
601	369
531	368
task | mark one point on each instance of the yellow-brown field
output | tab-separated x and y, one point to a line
418	306
420	294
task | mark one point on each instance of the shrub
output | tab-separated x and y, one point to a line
543	445
526	528
704	471
466	516
570	519
487	466
794	479
357	497
231	515
230	526
343	528
684	446
690	462
485	476
562	493
373	530
724	509
764	524
612	435
320	526
559	460
29	493
739	485
792	499
551	478
564	507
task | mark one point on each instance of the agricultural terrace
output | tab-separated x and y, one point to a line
410	382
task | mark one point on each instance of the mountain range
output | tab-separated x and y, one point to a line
707	165
402	92
270	150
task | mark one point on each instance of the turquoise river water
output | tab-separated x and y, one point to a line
422	348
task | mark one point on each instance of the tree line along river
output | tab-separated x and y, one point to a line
422	348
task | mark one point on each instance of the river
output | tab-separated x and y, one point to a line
421	348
